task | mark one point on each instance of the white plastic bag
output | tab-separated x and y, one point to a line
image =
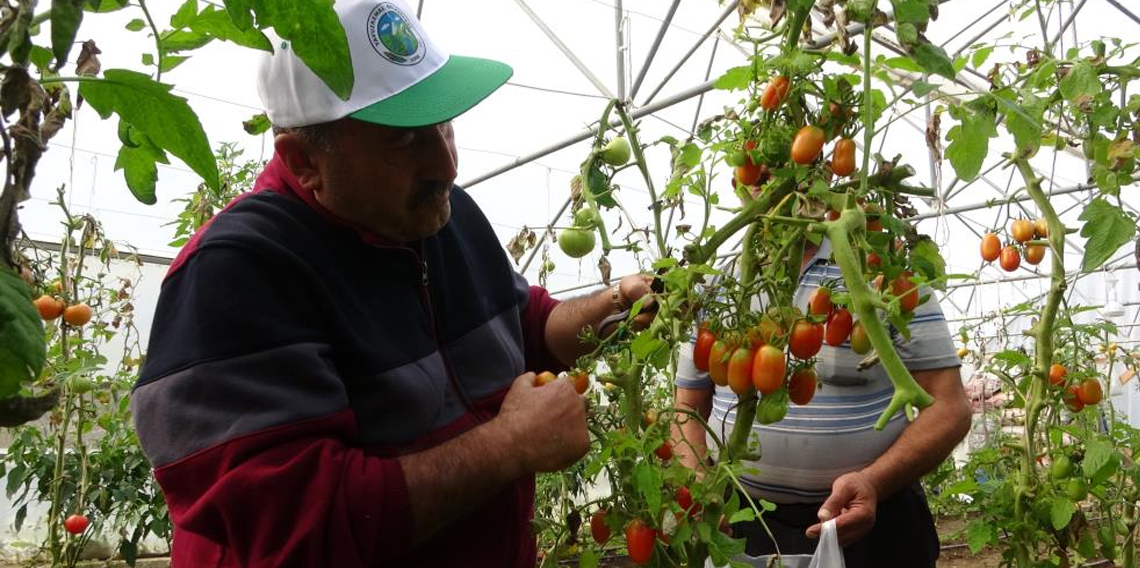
828	554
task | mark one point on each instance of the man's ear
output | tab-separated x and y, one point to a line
299	157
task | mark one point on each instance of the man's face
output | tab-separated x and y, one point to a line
394	182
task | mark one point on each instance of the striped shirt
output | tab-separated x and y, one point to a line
834	434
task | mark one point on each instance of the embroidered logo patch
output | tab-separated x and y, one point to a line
392	37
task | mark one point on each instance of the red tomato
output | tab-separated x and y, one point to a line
598	527
1021	230
664	451
807	144
873	260
1072	398
991	247
819	304
76	524
774	93
838	327
768	369
832	215
801	387
749	172
874	226
807	338
860	343
639	540
1010	260
765	332
49	307
705	341
740	371
718	362
843	157
906	291
1090	392
1034	254
1057	374
581	381
685	501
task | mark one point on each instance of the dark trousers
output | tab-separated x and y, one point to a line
903	535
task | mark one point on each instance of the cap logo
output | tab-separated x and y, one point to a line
393	37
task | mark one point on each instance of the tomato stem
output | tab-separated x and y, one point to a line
642	166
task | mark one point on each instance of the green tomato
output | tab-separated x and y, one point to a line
587	217
576	243
773	407
1077	489
1061	468
617	152
80	384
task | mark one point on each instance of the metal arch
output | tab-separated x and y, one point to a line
564	49
731	8
653	49
1124	10
621	46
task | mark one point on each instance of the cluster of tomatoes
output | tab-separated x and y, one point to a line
640	537
806	146
51	307
1077	394
1023	232
581	379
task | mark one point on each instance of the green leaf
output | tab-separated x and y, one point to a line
1061	512
981	55
1107	228
934	60
105	6
314	33
980	533
1024	122
647	480
969	141
22	348
904	63
180	40
735	79
139	169
1098	454
148	59
136	25
257	124
928	261
171	61
911	11
922	88
239	11
185	15
742	516
40	57
588	558
1081	80
66	16
166	119
217	23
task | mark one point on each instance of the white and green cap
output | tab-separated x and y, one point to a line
402	78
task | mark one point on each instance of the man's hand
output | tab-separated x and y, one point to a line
634	287
546	425
852	504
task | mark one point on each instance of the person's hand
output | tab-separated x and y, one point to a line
852	504
546	424
632	288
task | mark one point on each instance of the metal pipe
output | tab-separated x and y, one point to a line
621	49
1068	22
731	8
653	49
565	50
1117	5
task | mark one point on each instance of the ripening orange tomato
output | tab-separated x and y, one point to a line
1041	228
49	307
77	314
1090	392
768	369
807	144
906	291
1010	259
1021	230
1034	254
991	247
1057	374
740	371
774	93
718	362
843	157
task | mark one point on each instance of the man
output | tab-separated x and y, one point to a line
340	370
825	460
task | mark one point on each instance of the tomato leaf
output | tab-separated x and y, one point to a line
135	25
922	88
1099	454
1107	228
1024	121
1081	81
22	347
980	533
647	481
928	261
969	141
185	15
315	34
934	60
217	23
66	15
735	79
588	558
1061	512
257	124
166	119
239	11
139	169
980	56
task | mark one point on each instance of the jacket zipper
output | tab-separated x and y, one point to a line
425	291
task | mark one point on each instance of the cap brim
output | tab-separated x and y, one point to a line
460	84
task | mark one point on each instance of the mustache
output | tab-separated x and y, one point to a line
428	191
